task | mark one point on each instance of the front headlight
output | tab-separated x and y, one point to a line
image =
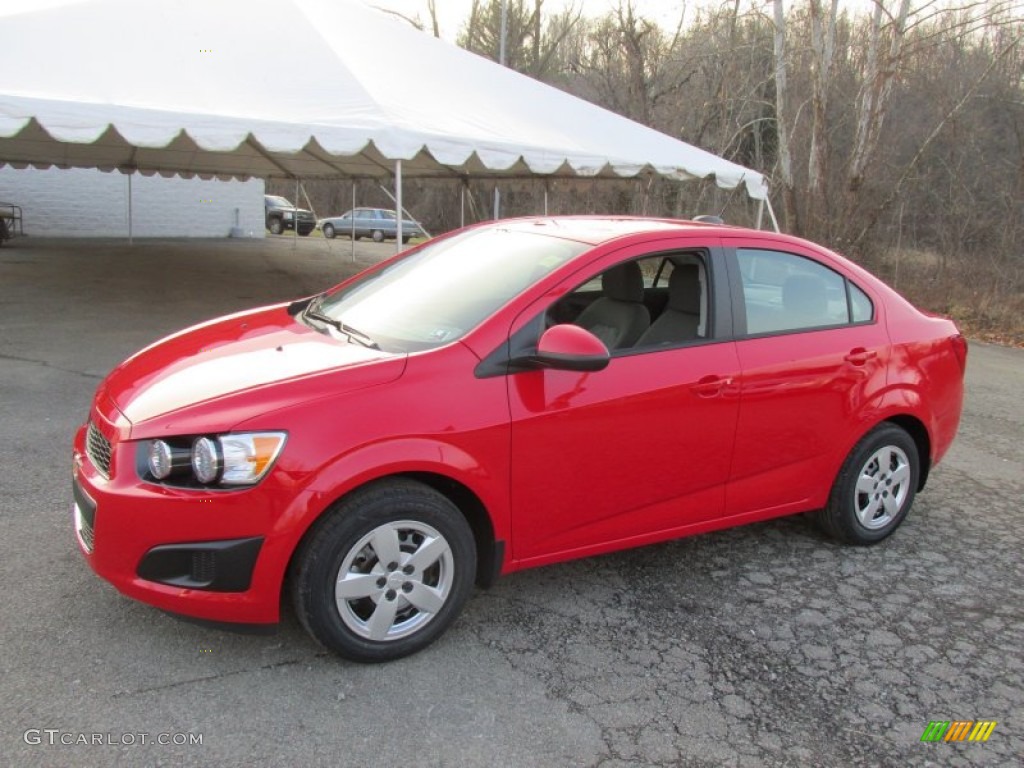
247	457
163	459
233	459
205	460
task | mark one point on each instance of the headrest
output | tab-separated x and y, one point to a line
684	289
623	282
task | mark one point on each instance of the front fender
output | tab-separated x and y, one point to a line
387	458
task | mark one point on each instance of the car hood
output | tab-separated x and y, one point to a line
232	368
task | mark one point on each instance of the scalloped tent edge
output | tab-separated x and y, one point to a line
160	103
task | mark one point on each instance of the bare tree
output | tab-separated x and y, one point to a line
533	40
823	41
785	158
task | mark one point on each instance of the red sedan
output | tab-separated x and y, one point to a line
510	395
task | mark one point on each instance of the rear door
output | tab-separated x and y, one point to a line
813	353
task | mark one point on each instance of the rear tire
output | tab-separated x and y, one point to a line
385	572
874	489
378	236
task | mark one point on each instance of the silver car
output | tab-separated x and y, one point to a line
377	223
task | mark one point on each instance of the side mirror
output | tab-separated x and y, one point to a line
570	348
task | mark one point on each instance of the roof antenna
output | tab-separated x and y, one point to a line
716	218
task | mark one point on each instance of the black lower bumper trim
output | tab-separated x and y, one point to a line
215	566
226	626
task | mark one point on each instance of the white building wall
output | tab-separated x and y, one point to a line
79	202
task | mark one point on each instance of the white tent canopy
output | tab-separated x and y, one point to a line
300	89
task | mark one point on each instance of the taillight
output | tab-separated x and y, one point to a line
959	344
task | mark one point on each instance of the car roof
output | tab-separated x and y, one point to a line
595	230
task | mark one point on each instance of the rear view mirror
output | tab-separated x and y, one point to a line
570	348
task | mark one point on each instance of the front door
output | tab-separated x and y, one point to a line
611	458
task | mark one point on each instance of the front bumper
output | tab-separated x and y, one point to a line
208	554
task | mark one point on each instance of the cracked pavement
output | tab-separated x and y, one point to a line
767	645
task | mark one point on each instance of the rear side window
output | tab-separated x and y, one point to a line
861	308
784	292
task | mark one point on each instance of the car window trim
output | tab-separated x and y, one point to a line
739	298
720	318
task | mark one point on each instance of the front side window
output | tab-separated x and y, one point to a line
441	291
645	303
784	292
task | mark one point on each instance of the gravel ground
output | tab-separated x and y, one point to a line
761	646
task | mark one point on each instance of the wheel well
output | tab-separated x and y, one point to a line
490	553
913	427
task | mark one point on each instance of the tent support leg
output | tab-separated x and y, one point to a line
129	208
352	234
497	202
760	213
545	197
462	204
295	220
398	205
771	213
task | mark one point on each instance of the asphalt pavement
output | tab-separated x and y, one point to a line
767	645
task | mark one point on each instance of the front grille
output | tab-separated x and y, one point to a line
97	447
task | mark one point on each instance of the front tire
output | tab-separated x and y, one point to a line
385	572
328	230
276	227
875	487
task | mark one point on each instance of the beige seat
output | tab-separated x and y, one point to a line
619	317
681	319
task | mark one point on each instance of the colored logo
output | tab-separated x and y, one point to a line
958	730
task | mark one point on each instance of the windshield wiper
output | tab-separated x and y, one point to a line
352	333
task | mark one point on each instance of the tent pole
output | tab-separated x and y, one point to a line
771	212
129	207
398	204
404	211
352	234
504	34
497	202
545	197
462	204
760	213
295	217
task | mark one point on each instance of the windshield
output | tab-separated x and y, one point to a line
445	289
